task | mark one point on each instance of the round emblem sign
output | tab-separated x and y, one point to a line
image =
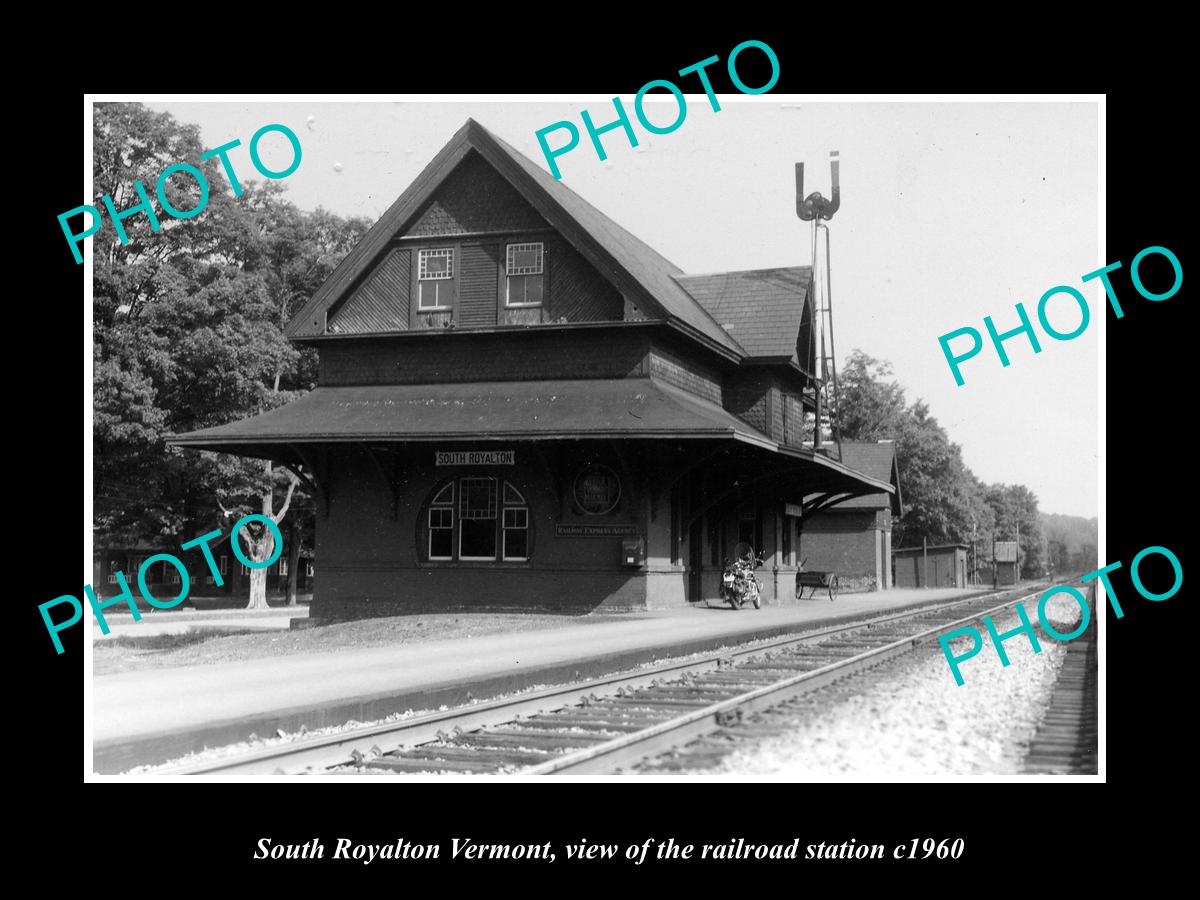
597	490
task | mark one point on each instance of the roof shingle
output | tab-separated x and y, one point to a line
1006	551
761	308
876	459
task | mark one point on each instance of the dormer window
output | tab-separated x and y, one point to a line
525	270
435	279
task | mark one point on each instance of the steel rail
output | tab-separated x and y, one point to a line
665	736
340	748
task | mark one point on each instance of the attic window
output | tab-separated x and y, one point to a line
435	279
524	259
525	273
436	264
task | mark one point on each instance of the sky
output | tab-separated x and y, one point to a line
950	212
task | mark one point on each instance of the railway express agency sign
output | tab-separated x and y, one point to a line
474	458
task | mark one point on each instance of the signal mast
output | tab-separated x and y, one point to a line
818	209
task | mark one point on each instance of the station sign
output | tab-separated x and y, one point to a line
474	458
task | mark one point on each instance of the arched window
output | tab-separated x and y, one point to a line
477	519
515	526
441	524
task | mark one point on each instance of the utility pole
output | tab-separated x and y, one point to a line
1017	574
993	557
974	559
925	561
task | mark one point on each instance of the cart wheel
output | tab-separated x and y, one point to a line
833	588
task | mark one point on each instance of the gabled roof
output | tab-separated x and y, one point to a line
635	268
878	460
761	308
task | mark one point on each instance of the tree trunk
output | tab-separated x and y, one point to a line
293	558
258	589
265	546
261	549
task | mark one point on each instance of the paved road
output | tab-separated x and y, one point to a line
132	704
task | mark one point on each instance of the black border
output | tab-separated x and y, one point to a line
172	834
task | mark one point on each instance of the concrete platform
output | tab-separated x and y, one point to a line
152	716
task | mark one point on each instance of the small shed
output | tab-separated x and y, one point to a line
1006	562
937	565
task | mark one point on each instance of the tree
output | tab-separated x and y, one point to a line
1059	558
871	403
1017	519
189	333
1073	539
943	499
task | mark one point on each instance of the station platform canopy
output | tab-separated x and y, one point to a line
623	409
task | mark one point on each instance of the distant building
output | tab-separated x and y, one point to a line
164	581
937	565
1006	562
854	538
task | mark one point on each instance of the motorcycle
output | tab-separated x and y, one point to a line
739	585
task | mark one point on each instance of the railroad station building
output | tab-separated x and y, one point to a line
520	404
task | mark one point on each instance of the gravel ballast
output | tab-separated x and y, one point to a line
911	720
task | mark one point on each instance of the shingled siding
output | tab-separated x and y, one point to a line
380	303
479	279
578	293
793	419
748	396
483	357
474	198
775	406
685	374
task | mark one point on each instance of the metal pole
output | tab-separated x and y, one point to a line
1017	573
994	573
837	431
974	561
925	560
817	379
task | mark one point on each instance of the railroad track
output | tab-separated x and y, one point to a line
1066	742
602	724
